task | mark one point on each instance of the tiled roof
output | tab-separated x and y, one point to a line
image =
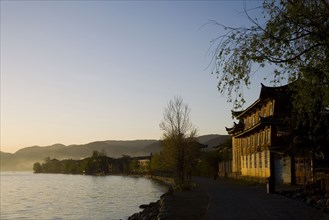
265	92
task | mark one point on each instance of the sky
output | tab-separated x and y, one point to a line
74	72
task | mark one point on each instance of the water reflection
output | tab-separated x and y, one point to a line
59	196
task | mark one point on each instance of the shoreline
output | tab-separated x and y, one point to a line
168	181
175	204
153	210
156	210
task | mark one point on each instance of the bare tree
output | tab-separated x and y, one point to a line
179	138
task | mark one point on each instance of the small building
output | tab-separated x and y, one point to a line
260	147
225	161
143	163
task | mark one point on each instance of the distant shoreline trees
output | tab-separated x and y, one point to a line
97	164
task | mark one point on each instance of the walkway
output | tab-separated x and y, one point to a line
231	200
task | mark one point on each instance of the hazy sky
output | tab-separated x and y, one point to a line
74	72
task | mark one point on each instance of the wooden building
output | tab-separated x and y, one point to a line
225	161
259	143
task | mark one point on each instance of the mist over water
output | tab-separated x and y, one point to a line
25	195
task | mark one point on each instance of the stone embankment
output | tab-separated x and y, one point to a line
154	210
169	181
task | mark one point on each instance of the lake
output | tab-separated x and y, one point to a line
25	195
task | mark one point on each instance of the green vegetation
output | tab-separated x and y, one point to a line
97	164
208	164
24	159
293	37
157	164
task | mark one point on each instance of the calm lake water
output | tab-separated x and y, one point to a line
26	195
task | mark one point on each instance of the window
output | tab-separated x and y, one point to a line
242	158
251	140
246	161
255	160
266	157
271	109
257	139
268	135
264	111
250	160
264	136
260	159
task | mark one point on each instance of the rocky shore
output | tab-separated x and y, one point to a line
192	204
154	210
175	205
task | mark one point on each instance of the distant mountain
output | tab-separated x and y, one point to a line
153	148
212	140
24	158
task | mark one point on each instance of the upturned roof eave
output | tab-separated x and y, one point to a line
263	122
235	129
264	90
239	114
248	130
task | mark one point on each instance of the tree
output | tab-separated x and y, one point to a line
208	164
134	166
179	138
295	39
97	164
156	163
37	167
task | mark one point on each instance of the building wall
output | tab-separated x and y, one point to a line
256	164
282	170
144	163
251	155
236	153
225	168
254	154
267	109
286	171
303	168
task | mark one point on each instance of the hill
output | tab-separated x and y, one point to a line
212	140
23	159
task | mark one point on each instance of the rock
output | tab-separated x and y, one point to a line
152	204
134	217
154	210
308	201
150	212
144	206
